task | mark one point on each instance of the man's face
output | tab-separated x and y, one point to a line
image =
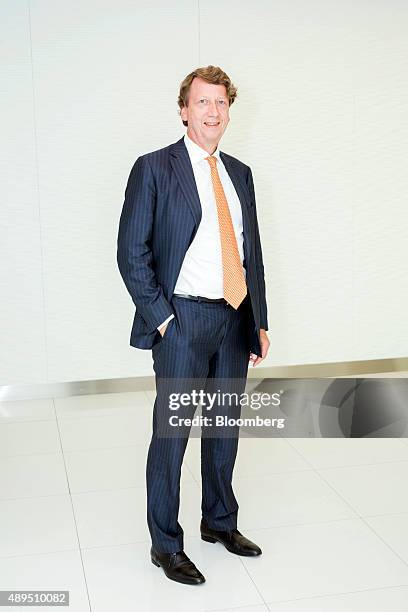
207	113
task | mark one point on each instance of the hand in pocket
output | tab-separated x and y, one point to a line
162	330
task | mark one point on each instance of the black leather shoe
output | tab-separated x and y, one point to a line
177	566
233	540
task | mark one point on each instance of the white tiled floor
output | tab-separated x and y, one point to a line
330	514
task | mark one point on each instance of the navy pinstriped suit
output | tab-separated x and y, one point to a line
207	342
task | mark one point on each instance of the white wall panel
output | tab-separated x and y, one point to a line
380	154
22	337
106	78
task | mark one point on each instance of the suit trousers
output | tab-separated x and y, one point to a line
205	347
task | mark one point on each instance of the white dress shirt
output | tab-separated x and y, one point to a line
201	272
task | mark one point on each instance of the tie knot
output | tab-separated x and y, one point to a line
211	160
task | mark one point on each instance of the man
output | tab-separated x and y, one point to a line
189	252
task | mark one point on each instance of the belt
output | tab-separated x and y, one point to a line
199	298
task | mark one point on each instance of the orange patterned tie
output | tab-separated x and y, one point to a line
235	288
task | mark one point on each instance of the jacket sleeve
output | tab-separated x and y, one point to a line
258	258
134	254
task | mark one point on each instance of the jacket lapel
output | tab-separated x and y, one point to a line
181	164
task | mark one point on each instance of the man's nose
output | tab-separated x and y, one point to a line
213	110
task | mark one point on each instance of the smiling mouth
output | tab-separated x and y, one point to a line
211	124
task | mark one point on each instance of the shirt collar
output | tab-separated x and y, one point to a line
197	153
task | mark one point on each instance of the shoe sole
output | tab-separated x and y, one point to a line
234	552
175	579
208	539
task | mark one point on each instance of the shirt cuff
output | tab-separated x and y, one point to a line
166	321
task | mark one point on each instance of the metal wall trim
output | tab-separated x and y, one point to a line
349	369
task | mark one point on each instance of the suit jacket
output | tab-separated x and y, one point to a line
160	217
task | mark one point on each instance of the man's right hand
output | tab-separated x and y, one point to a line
162	330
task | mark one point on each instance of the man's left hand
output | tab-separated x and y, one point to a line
264	340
